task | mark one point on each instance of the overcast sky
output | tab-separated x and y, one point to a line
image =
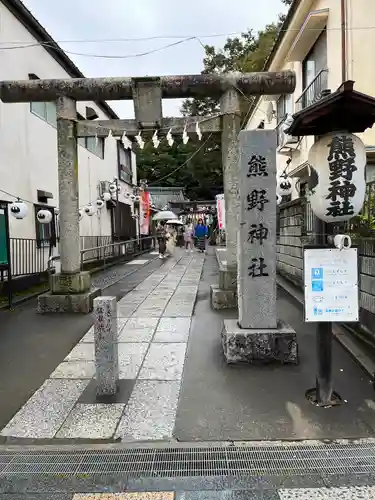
119	19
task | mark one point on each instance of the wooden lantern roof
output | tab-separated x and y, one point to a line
345	109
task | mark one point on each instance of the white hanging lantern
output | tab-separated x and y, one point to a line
89	210
112	188
19	209
138	198
170	138
132	197
283	186
44	216
118	188
99	204
337	182
80	214
279	199
106	196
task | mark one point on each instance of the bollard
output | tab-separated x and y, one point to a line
106	346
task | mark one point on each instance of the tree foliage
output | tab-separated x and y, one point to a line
202	175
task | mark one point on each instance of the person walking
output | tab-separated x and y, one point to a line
188	237
201	232
171	240
161	237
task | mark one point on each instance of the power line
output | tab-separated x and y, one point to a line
142	54
100	56
173	37
185	162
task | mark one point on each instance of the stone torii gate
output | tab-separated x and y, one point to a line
70	290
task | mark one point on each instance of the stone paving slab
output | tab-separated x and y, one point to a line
45	412
151	411
152	348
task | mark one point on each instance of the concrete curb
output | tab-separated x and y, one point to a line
340	333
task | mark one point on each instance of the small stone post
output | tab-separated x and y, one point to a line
106	346
71	288
224	296
258	335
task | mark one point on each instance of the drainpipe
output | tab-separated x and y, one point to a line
343	41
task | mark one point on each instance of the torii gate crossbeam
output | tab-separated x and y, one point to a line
71	289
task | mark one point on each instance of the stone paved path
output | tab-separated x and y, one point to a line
154	323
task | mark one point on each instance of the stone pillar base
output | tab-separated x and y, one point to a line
67	303
223	299
61	284
259	345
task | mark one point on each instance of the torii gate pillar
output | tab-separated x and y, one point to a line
224	296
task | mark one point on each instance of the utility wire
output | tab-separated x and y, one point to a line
185	162
140	54
172	37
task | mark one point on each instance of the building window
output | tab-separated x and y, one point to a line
93	144
124	157
315	61
284	106
45	233
46	111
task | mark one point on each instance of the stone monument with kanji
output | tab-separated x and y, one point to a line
258	335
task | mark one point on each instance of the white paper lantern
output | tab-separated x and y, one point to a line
283	186
118	188
99	204
19	209
112	188
337	182
89	210
279	199
106	196
127	194
132	197
44	216
138	198
80	215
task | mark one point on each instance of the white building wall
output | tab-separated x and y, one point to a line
360	64
28	144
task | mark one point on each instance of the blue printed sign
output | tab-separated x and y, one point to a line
317	273
317	286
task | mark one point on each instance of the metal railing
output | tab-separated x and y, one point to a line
108	254
29	256
313	92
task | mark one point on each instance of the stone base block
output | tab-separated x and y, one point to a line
223	299
259	345
77	302
61	284
228	279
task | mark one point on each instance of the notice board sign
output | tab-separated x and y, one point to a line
331	284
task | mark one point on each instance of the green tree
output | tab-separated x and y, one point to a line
170	166
202	175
